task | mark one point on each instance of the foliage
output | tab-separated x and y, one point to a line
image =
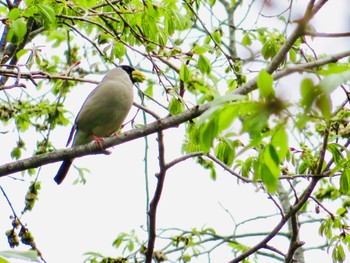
219	78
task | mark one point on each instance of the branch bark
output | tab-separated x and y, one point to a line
152	213
91	148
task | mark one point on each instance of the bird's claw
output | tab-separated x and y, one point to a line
98	141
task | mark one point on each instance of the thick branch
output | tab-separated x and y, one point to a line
280	56
88	149
295	243
293	227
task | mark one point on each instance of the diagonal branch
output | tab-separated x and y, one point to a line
91	148
294	209
280	56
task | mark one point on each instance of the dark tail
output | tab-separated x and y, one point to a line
62	172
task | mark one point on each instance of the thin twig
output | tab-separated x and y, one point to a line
323	207
294	209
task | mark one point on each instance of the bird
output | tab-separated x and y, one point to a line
103	111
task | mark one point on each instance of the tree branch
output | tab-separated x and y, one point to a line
91	148
152	213
295	243
293	225
330	35
294	209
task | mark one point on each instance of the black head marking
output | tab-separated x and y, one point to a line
129	70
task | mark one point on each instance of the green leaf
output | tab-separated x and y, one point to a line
208	132
181	22
268	168
308	93
2	260
323	103
338	254
212	2
131	246
208	114
333	148
225	151
14	14
162	38
204	64
217	37
213	174
24	255
246	40
345	181
334	68
269	49
184	73
117	242
227	116
342	211
192	140
339	166
48	15
169	25
16	153
118	49
272	156
247	166
265	85
199	50
226	98
19	28
269	178
292	55
149	89
279	141
21	53
256	121
186	258
175	106
329	83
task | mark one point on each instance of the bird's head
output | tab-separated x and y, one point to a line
135	75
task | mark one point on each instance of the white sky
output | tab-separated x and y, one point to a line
69	220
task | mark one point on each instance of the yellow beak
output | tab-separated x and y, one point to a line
138	76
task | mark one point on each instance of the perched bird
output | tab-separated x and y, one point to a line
103	111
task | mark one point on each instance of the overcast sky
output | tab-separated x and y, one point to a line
69	220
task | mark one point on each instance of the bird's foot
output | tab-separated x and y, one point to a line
99	142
